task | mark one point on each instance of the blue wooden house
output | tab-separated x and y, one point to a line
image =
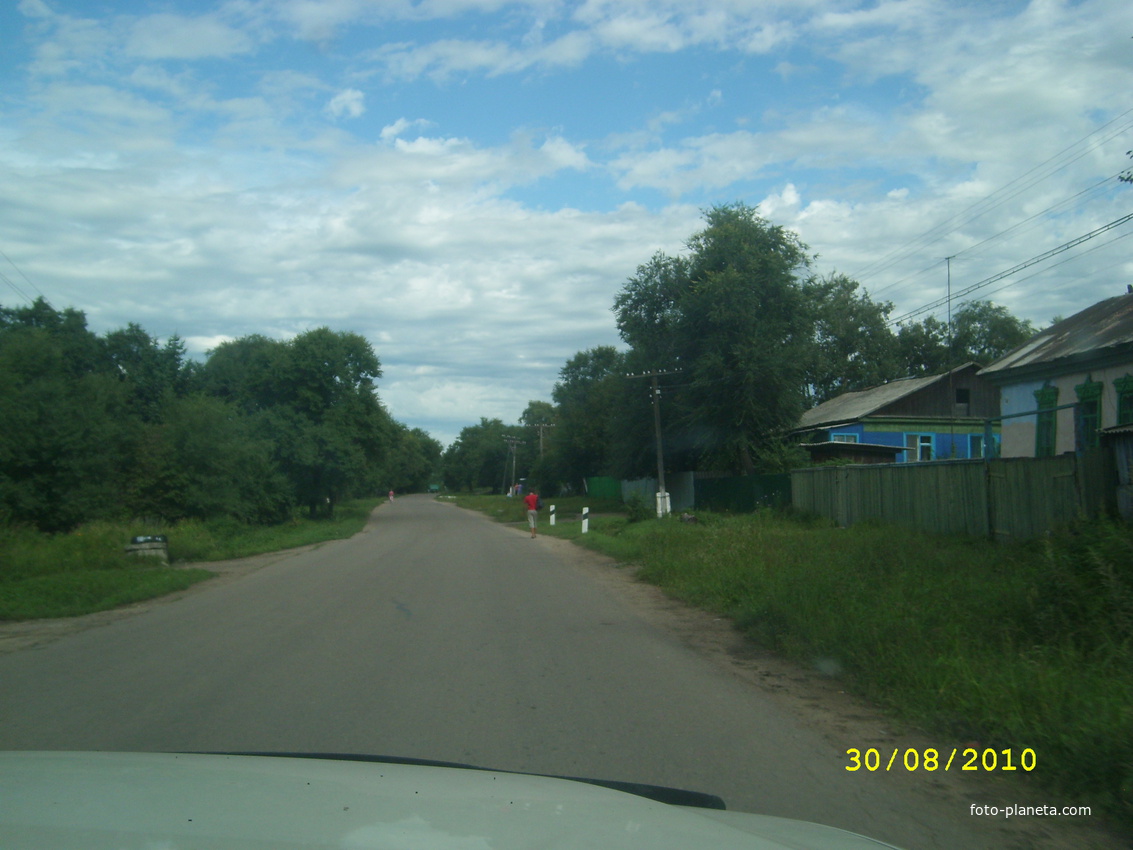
939	417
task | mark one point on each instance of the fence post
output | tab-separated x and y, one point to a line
585	520
552	514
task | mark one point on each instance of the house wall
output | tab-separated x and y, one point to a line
939	399
1019	434
949	440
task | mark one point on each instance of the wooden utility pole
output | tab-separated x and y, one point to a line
512	443
653	376
541	426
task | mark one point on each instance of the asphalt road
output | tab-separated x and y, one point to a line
439	634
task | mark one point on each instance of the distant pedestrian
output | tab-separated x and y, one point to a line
391	495
532	502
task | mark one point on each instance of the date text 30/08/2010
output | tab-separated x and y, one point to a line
931	759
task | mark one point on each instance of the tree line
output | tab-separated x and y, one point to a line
123	426
744	336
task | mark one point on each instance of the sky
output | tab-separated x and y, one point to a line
468	183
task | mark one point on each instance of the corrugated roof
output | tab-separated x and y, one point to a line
1106	325
850	407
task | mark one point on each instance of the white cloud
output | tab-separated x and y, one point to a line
392	131
168	36
349	102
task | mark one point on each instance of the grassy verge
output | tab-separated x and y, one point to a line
65	575
1009	647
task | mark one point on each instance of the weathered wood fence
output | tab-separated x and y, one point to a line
1002	498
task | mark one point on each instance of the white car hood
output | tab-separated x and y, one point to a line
117	801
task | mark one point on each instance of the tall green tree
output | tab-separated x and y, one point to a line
153	372
650	310
413	460
854	348
205	460
587	394
314	397
65	425
923	347
732	315
983	332
247	372
478	457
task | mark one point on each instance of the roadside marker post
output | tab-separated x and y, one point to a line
552	514
585	520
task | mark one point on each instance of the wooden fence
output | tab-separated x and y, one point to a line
1003	498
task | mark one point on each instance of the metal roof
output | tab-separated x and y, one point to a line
850	407
1106	327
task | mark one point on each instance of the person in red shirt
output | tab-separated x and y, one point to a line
532	502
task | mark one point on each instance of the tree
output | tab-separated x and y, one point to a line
983	332
478	457
65	429
413	460
205	460
314	397
335	427
153	373
586	394
923	347
246	371
649	309
733	317
854	349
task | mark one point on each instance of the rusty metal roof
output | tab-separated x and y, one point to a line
1106	327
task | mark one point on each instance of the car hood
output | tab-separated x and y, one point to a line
149	801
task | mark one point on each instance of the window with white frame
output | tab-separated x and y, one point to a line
918	447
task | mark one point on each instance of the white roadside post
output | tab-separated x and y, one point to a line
662	504
585	520
552	514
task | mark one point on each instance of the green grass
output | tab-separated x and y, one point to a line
1022	646
65	575
223	539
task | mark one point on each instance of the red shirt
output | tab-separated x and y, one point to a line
532	501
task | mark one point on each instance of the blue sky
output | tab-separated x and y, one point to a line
468	183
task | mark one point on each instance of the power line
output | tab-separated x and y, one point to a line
996	198
1066	246
1071	260
1033	221
15	288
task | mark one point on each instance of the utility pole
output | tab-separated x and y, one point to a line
950	364
662	493
512	443
541	426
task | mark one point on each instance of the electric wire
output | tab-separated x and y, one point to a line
1005	193
1038	258
13	285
